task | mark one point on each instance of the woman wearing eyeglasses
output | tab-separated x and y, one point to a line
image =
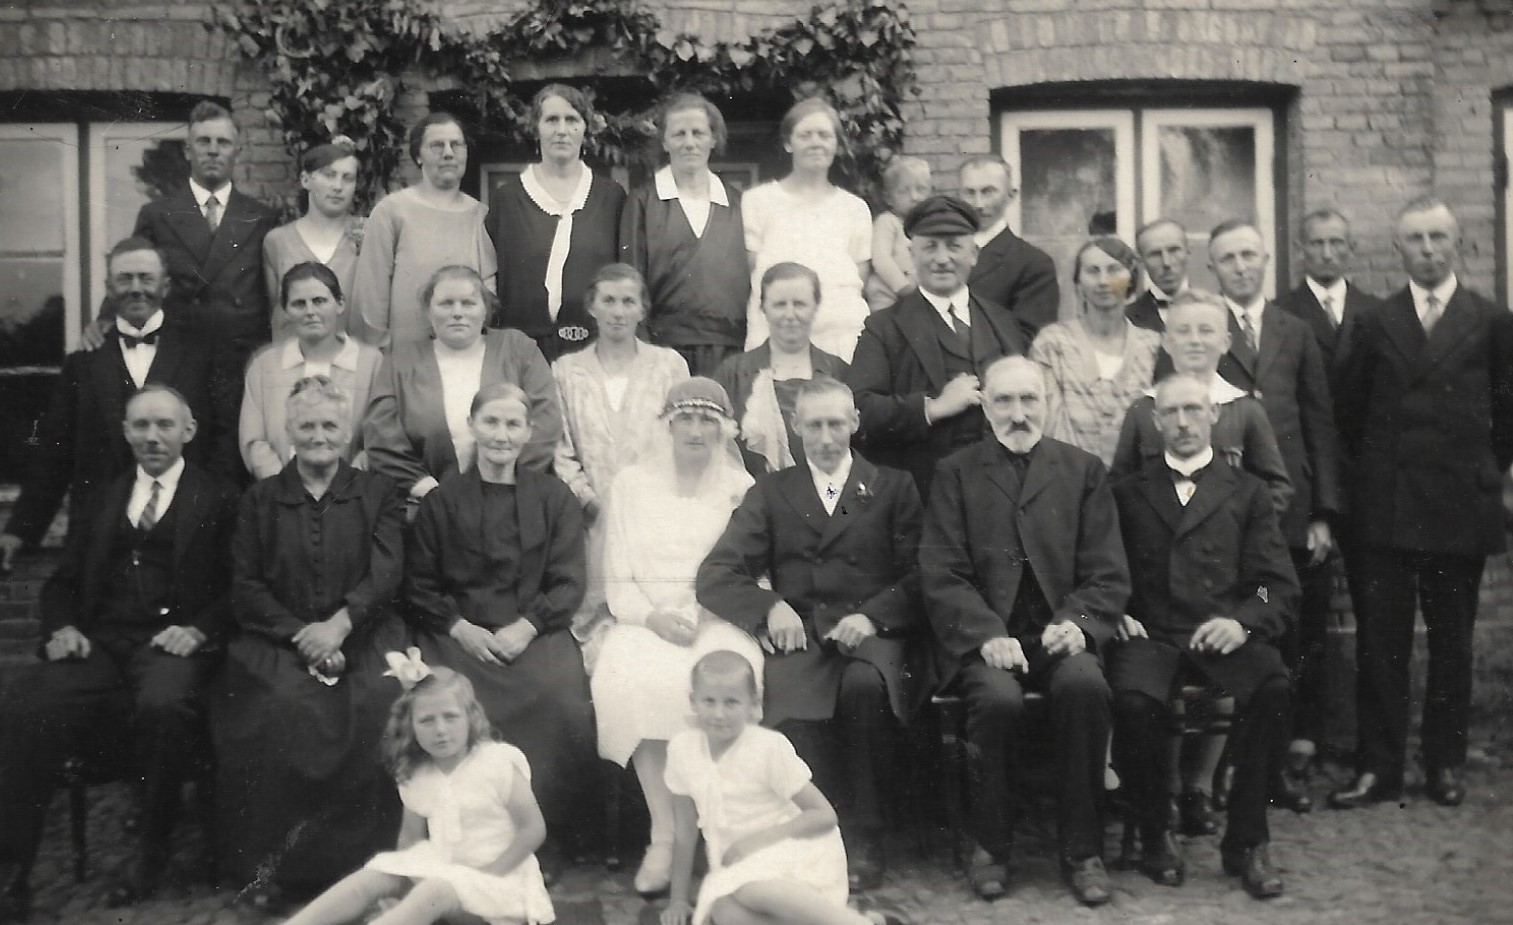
312	309
417	231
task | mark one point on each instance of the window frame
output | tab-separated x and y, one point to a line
64	137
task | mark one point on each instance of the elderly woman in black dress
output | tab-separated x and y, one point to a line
496	572
318	556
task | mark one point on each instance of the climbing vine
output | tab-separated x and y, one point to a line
339	67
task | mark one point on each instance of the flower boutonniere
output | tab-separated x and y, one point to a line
863	493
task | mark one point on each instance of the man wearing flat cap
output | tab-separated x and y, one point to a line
918	364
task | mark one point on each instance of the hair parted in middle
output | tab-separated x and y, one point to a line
402	753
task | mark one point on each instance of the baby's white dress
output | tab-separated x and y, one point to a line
749	788
469	825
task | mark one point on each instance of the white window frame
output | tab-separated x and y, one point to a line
1507	203
101	136
1121	121
64	136
1258	119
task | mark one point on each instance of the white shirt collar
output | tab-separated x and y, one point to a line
346	358
992	231
823	479
1445	291
1334	291
169	479
961	299
1192	464
667	187
200	193
153	323
1253	309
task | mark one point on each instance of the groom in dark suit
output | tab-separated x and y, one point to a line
1426	411
1212	593
80	444
917	367
838	537
133	618
1010	271
211	235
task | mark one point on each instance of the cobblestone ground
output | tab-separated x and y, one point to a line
1410	864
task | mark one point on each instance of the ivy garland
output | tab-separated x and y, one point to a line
337	66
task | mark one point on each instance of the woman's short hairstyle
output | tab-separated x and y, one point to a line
309	270
1112	246
458	271
418	131
802	110
572	96
402	753
685	102
323	156
723	663
615	273
316	390
497	391
786	270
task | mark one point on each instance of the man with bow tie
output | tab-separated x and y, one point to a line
132	619
1213	589
838	538
1426	414
1024	582
1162	246
80	444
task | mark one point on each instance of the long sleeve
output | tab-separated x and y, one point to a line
1320	438
385	559
372	284
385	440
627	601
1058	424
1501	384
216	617
1128	454
254	602
888	418
1262	458
258	454
634	246
727	579
546	411
959	613
1035	299
895	609
430	605
59	600
1101	582
565	579
1268	582
566	463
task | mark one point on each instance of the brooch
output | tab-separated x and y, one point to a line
572	333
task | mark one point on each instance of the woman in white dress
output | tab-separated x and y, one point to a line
665	513
612	394
806	219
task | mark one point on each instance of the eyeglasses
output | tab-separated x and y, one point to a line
441	147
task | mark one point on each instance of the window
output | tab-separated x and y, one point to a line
1100	171
1504	141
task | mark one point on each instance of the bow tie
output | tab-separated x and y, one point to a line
133	342
1181	477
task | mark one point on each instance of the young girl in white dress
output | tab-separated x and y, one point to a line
471	824
774	850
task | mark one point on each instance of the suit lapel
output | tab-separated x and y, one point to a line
237	223
919	330
1217	484
1239	346
186	220
186	521
1401	324
1011	341
798	489
1454	325
1158	489
165	362
1040	473
849	508
1273	333
108	370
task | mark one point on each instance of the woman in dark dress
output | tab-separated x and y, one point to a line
496	572
763	382
554	225
683	232
302	795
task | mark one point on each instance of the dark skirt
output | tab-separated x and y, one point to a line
540	704
302	795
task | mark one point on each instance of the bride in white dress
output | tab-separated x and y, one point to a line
664	515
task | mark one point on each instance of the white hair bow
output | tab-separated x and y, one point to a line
406	667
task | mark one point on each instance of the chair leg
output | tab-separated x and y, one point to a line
78	816
953	754
613	785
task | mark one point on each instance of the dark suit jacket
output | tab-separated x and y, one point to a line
1428	425
861	559
1288	375
81	446
1019	276
205	516
1144	312
898	363
1064	522
1220	555
1334	342
217	286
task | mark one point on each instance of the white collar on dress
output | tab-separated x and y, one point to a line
545	201
346	358
667	187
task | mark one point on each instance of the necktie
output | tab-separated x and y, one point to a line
133	342
1329	311
957	323
212	212
1432	312
1186	484
149	518
1249	328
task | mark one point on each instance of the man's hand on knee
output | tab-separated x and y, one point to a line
1064	638
1005	653
66	642
182	641
853	630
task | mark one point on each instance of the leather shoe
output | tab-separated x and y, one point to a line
1291	792
1161	858
988	876
866	864
1366	790
1088	880
1253	866
1446	787
1198	819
